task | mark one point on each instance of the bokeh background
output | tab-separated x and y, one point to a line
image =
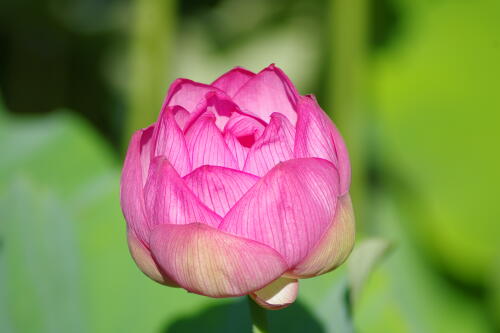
414	86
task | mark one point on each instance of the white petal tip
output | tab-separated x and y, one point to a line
277	295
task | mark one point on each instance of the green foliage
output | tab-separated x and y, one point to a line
64	262
406	294
362	263
437	96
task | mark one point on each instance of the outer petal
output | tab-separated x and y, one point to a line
144	260
219	188
209	262
288	209
146	144
131	185
269	91
274	146
232	81
317	136
335	245
278	294
170	142
169	199
206	145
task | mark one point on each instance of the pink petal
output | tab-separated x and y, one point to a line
144	260
209	262
278	294
289	208
241	125
218	104
181	116
335	245
131	185
274	146
317	136
222	107
219	188
187	94
237	149
240	133
169	200
145	146
269	91
232	81
170	143
206	145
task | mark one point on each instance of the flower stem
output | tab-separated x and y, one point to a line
152	32
348	92
259	317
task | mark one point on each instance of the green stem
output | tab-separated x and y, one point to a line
259	317
152	32
348	22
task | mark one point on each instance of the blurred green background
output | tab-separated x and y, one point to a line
414	86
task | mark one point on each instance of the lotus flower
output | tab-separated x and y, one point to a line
241	187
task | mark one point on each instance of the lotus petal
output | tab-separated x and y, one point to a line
289	208
206	145
170	143
187	93
219	188
278	294
335	245
232	81
144	260
131	185
209	262
274	146
239	151
317	136
268	92
169	200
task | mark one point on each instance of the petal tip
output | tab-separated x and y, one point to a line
278	294
145	262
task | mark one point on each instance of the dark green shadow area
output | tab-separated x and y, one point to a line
235	317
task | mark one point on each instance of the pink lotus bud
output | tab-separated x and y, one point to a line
240	187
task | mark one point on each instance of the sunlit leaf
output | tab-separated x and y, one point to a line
406	294
364	258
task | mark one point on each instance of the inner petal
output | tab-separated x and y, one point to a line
181	116
241	132
218	104
219	188
222	107
274	145
246	128
247	140
206	145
